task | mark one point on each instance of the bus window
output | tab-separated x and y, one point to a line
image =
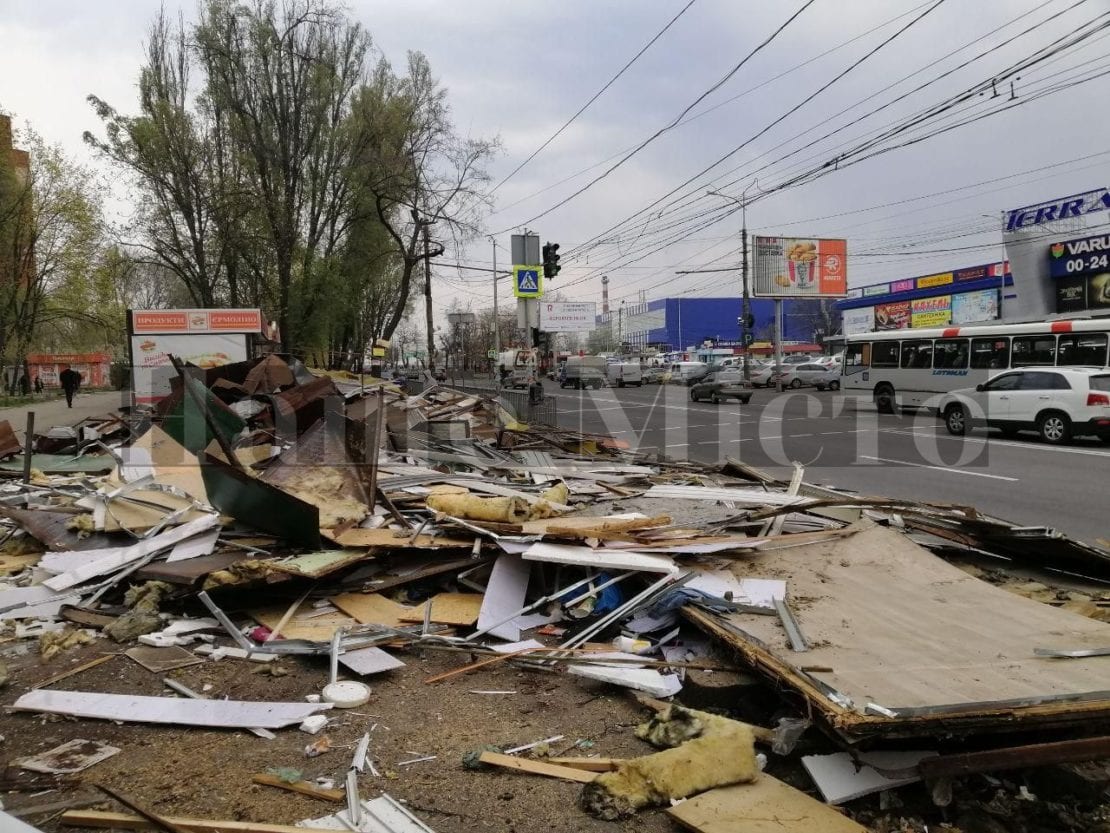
884	354
917	354
853	355
1082	349
951	353
990	353
1032	351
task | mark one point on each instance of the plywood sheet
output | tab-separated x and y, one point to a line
303	625
766	805
371	608
459	609
906	630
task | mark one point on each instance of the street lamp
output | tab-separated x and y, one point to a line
620	329
746	309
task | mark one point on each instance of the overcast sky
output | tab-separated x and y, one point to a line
518	70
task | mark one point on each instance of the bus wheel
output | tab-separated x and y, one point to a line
955	420
884	399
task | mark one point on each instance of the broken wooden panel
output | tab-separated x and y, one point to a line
390	539
371	608
925	642
52	529
449	609
766	805
318	564
191	571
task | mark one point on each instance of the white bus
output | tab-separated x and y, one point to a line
908	368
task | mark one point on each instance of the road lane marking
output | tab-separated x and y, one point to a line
940	468
1032	446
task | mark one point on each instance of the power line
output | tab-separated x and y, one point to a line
596	96
676	120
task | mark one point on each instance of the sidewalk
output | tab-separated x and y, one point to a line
51	412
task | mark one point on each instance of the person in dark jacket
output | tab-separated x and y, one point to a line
71	381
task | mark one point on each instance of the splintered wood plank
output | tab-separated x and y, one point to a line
126	821
460	609
766	805
388	539
301	626
567	773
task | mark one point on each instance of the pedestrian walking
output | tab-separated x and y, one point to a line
71	381
38	383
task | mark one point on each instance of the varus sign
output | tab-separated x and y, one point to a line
1063	209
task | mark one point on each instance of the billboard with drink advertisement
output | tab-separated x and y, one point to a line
800	267
894	316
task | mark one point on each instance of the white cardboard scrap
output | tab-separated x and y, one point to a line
113	558
838	779
610	559
505	591
76	755
759	592
640	679
513	647
370	660
10	824
230	714
201	545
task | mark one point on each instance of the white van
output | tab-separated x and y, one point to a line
686	373
625	373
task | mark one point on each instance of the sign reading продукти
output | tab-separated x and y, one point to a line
528	281
1082	256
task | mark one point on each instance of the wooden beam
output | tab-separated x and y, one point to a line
300	787
125	821
588	764
537	767
1016	757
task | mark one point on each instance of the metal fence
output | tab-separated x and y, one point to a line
522	404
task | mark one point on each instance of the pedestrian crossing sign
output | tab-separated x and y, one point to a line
527	281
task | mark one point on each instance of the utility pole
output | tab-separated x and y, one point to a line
746	300
496	319
428	298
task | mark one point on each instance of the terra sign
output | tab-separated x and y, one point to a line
1063	209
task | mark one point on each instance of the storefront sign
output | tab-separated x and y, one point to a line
1061	209
792	267
196	321
975	273
969	307
931	312
934	280
861	320
878	289
1080	257
902	286
892	316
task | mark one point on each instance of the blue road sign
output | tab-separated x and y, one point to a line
528	281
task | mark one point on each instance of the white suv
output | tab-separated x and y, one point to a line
1057	402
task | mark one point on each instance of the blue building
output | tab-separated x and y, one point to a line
681	323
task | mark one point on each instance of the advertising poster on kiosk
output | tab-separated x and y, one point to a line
201	337
894	316
969	307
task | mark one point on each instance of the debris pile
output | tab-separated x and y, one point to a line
272	548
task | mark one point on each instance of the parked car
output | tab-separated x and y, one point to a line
1058	403
763	376
651	375
582	372
828	379
819	376
687	373
722	385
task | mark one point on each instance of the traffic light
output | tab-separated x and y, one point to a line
550	260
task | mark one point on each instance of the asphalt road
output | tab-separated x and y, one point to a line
843	442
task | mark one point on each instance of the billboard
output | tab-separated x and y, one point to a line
1079	293
892	316
931	312
860	320
1080	257
934	280
906	285
800	267
567	317
969	307
876	289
